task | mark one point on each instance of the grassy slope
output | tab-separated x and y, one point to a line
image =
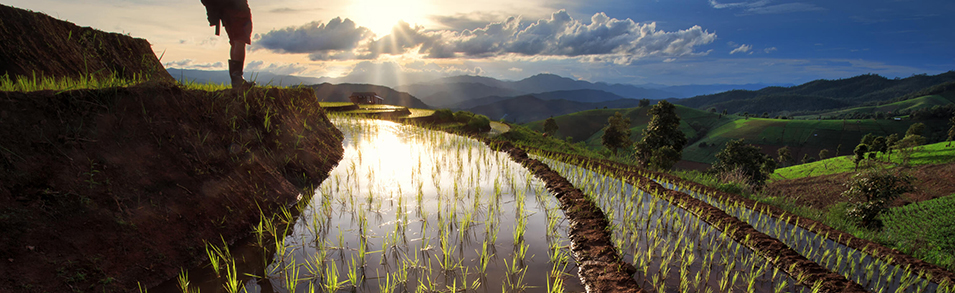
907	105
938	153
802	136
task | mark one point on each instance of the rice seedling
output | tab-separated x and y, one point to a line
427	237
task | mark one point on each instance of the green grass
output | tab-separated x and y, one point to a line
937	153
335	104
923	230
34	83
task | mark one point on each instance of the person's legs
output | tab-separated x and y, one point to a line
238	25
238	52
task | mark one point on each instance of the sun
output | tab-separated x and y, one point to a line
381	15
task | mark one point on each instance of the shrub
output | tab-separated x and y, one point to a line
479	123
463	116
444	115
870	194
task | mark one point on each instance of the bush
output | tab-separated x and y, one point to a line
479	123
444	115
463	116
871	193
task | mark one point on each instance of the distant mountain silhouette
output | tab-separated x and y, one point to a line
528	108
454	90
817	95
327	92
448	94
222	77
585	96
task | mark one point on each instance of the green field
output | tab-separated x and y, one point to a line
801	136
938	153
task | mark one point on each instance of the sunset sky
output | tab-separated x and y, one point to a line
618	41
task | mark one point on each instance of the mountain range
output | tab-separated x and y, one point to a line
818	95
449	91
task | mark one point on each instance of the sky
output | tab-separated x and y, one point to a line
666	42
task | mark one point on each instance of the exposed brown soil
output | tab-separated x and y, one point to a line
931	181
600	266
102	189
894	257
35	44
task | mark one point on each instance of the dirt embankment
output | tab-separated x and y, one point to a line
35	44
819	192
601	268
102	189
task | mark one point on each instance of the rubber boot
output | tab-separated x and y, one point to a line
235	72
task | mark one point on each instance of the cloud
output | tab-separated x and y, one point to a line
275	68
764	7
315	37
742	49
290	10
770	50
188	64
603	39
468	21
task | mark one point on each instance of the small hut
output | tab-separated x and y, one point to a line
367	98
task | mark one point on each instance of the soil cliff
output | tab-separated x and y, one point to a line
35	44
103	190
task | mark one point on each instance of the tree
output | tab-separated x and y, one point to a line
785	155
807	159
860	151
916	129
644	102
823	155
867	139
891	141
951	131
870	194
878	145
616	133
662	142
550	126
746	159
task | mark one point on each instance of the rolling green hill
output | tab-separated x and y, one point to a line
708	132
817	96
937	153
905	106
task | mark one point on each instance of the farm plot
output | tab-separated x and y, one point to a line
875	274
414	210
673	250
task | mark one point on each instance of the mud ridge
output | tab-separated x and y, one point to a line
600	267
